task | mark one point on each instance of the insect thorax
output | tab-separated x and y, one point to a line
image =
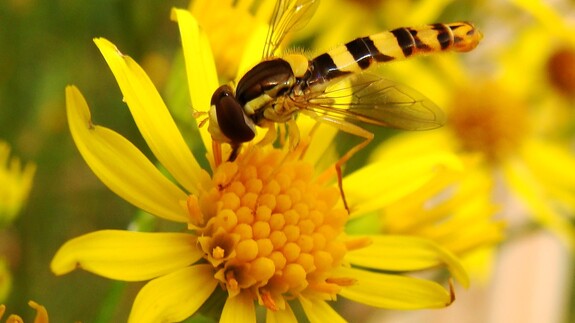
263	83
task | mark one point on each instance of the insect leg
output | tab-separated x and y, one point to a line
270	135
354	130
293	134
201	117
235	151
351	129
217	152
290	127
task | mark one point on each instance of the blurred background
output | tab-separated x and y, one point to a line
46	45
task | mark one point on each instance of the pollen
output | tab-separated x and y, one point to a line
488	119
269	229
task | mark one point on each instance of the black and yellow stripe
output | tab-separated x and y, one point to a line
361	53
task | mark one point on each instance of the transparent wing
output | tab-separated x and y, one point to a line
288	16
369	98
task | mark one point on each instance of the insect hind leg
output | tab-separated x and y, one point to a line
350	128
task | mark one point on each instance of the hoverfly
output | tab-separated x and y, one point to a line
277	89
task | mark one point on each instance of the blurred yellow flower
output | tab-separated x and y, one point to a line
500	118
552	70
455	209
16	184
5	279
229	43
364	17
41	314
264	228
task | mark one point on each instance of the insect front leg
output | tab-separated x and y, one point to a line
217	153
271	134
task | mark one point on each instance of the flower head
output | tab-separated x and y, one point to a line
479	124
553	69
456	209
264	228
561	68
250	17
269	230
503	119
16	184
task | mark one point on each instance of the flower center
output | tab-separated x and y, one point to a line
561	69
269	229
487	119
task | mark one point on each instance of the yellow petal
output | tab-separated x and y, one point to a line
394	291
406	253
553	21
120	165
532	193
281	316
253	51
126	255
409	144
480	264
41	312
174	297
378	184
200	66
425	11
540	155
265	10
319	311
454	210
320	152
16	184
153	118
239	308
469	226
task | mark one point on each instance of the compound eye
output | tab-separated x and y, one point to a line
232	120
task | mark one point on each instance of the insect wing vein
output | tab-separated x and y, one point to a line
288	16
372	99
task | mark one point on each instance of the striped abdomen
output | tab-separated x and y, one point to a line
400	43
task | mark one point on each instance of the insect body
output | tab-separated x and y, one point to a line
276	89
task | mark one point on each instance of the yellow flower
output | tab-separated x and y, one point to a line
16	184
455	209
41	314
553	67
264	228
501	118
229	44
358	18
